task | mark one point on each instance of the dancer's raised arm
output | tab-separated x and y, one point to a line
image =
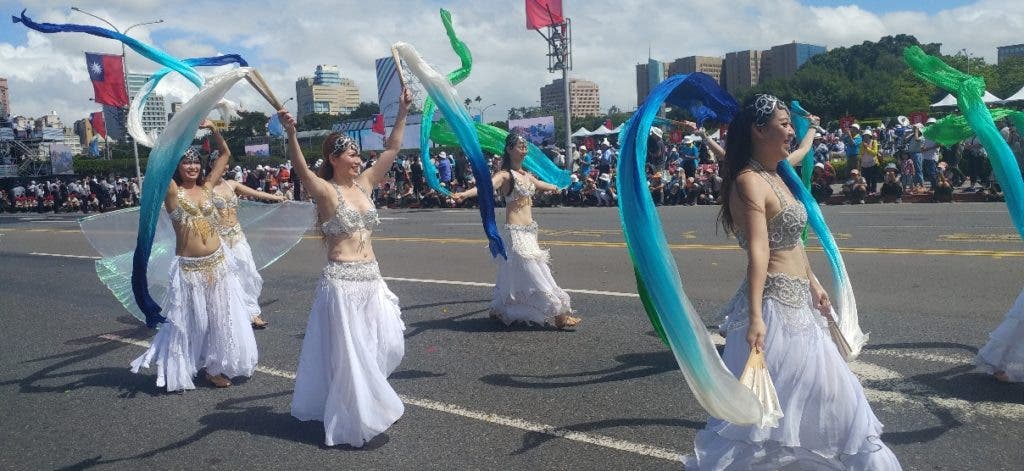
374	175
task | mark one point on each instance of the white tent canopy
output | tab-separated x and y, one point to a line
581	132
950	100
1019	96
602	131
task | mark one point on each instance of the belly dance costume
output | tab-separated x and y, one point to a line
353	342
207	325
233	239
525	291
827	422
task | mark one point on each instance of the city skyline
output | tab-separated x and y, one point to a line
46	72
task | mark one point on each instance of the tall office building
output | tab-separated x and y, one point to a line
5	102
648	76
706	64
584	97
154	114
1006	52
785	59
326	92
742	70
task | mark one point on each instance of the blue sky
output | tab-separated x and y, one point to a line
286	40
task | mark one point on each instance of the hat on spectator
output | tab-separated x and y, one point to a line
574	178
854	172
655	130
855	126
688	139
605	177
583	147
891	166
238	168
819	165
930	120
606	143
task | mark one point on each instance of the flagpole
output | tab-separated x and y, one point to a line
124	70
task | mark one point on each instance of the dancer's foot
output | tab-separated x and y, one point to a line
219	381
1002	376
258	323
564	321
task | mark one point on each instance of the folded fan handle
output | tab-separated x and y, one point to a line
261	86
398	65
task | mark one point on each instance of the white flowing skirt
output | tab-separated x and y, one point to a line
1005	348
827	423
252	283
525	291
207	325
353	342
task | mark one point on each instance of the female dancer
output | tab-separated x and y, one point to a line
354	337
827	422
207	324
525	290
1003	355
225	199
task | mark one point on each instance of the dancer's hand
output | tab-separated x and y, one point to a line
458	197
756	333
287	121
405	100
207	124
821	301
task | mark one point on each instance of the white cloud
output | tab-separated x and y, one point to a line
287	40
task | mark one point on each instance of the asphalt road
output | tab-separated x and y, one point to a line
931	282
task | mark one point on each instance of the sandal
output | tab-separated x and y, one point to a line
564	321
219	381
258	323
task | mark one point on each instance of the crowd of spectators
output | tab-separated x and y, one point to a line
881	164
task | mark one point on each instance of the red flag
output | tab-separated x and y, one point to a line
206	146
541	13
98	125
608	124
378	124
107	75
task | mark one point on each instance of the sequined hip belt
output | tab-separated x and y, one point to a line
352	271
205	263
531	227
790	290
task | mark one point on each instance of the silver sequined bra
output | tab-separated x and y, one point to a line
787	226
522	187
347	220
224	203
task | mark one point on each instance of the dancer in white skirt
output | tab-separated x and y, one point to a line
207	324
827	422
354	337
525	290
225	199
1003	355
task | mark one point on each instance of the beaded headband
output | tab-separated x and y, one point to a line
344	143
191	155
764	107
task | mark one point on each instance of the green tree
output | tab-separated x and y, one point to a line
249	124
314	121
364	110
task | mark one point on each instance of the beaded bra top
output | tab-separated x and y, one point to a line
223	203
348	220
787	226
195	218
522	187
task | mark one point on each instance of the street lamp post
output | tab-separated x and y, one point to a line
124	68
967	55
484	111
559	41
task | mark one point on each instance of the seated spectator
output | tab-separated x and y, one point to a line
574	192
821	188
606	193
943	192
691	191
892	189
657	188
856	188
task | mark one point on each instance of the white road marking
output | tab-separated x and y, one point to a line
90	257
514	422
491	285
